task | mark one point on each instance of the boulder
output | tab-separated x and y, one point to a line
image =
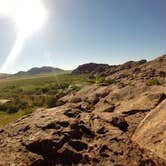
151	132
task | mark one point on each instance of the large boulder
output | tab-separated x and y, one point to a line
151	132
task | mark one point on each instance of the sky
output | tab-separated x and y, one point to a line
83	31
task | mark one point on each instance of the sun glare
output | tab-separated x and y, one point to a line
28	16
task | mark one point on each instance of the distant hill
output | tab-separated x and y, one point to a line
91	67
105	68
32	71
38	70
2	75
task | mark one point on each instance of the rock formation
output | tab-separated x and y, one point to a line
121	124
91	68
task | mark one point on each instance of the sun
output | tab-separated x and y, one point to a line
28	15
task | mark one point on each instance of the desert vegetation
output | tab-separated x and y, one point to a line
29	93
153	81
26	94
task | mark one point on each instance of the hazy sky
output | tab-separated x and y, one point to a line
81	31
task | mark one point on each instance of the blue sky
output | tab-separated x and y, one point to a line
81	31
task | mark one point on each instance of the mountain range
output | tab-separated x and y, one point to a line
33	71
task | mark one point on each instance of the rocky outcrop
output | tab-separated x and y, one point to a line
120	124
151	132
89	131
91	68
141	70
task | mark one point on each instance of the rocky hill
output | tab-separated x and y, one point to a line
91	68
2	76
33	71
38	70
122	123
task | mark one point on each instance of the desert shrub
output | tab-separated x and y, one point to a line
105	81
153	81
100	79
74	87
44	89
91	78
23	105
27	111
20	102
64	85
3	108
111	81
9	108
12	109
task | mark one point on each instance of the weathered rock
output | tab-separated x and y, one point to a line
91	67
151	132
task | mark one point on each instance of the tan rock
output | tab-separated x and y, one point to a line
151	132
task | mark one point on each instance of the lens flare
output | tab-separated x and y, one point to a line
29	16
10	60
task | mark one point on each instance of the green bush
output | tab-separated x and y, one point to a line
64	85
27	111
23	105
100	79
105	81
12	109
9	108
153	81
3	108
111	81
74	87
44	89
